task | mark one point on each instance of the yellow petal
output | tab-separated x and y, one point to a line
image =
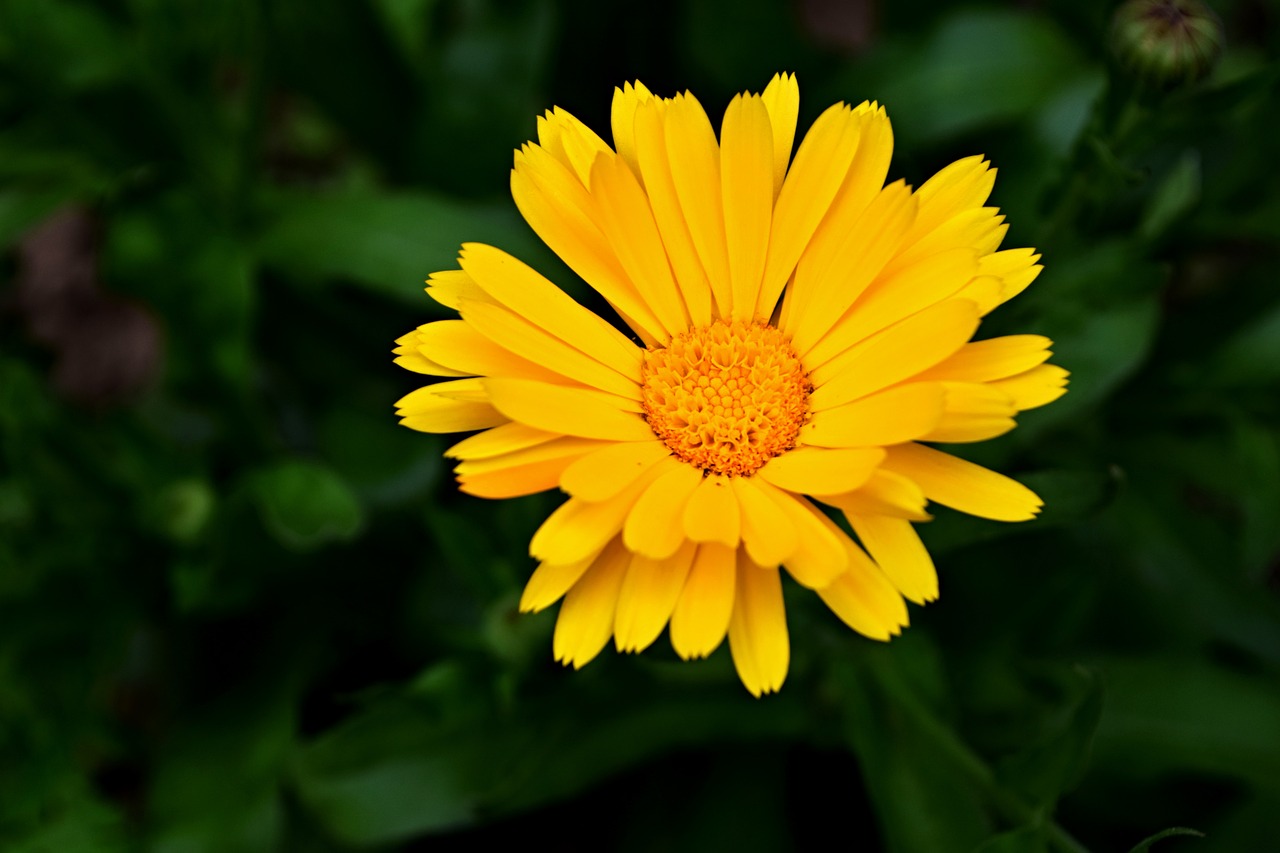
822	471
973	411
570	141
506	330
746	186
712	513
649	595
456	345
651	149
449	287
885	493
981	229
892	416
812	183
890	299
996	358
865	600
985	291
625	102
898	551
1016	268
522	472
963	485
432	409
499	440
821	555
694	159
964	185
769	536
605	471
655	525
862	182
577	528
540	302
782	100
701	616
895	354
586	617
568	411
629	226
1036	387
550	581
826	287
561	211
758	630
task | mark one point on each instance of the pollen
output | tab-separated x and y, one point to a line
727	397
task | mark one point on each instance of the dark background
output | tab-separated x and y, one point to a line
241	609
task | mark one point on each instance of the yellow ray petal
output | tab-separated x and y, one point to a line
506	330
1036	387
973	411
532	297
895	354
862	182
577	528
963	485
782	100
995	358
629	226
568	411
499	440
450	286
410	358
523	472
898	551
746	187
822	471
769	536
1016	268
434	409
586	617
712	514
551	581
980	229
564	215
865	600
885	493
694	158
625	102
758	630
890	299
985	291
649	594
655	525
570	141
655	168
895	415
964	185
820	556
812	183
823	293
701	616
607	470
455	344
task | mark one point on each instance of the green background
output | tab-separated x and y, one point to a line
241	609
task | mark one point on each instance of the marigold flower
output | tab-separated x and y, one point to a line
800	328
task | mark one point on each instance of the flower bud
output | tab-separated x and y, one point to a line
1166	43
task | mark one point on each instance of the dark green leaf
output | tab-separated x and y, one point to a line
305	505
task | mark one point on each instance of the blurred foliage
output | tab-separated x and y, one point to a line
241	609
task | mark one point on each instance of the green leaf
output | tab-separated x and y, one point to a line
1052	766
1145	845
1176	195
306	505
387	243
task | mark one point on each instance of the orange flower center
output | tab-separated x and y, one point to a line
727	397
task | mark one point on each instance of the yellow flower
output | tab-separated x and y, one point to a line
799	328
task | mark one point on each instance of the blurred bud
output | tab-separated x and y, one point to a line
1166	43
183	509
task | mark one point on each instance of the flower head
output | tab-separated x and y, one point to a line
799	331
